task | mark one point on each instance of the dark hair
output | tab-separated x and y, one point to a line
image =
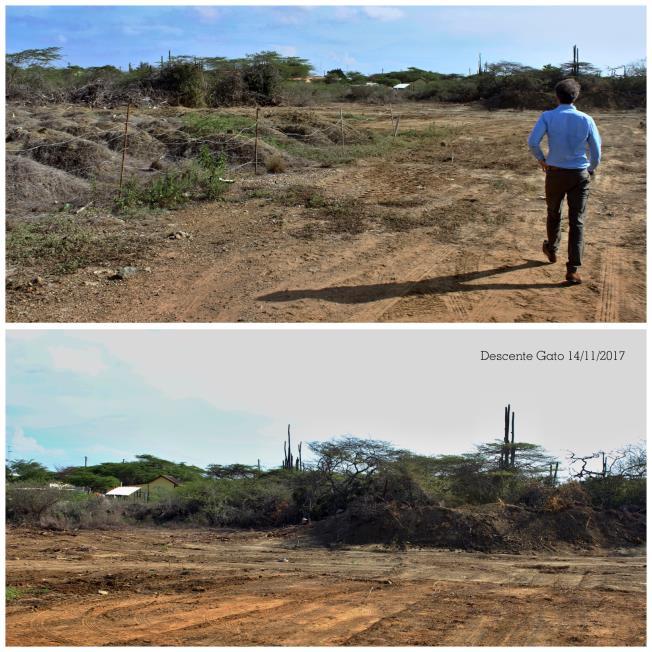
567	91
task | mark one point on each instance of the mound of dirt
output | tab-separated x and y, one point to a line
487	528
139	143
77	156
32	186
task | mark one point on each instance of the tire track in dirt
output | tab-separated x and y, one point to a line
610	287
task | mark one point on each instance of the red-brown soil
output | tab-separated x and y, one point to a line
160	586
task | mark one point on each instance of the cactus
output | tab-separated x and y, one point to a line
289	462
513	447
504	454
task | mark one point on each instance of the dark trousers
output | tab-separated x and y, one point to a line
574	185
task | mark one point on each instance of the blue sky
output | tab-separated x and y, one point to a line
364	38
204	396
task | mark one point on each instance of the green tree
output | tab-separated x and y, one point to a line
95	482
262	76
231	471
34	57
28	471
334	76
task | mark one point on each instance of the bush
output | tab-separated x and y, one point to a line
275	164
184	81
59	509
223	503
616	491
229	90
567	495
28	503
262	78
370	94
83	512
201	179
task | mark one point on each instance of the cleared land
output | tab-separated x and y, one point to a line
201	587
444	224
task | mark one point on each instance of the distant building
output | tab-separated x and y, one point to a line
400	87
163	482
126	493
159	484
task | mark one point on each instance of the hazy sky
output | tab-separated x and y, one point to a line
224	396
364	38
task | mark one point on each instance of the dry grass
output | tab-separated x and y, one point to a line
275	164
61	244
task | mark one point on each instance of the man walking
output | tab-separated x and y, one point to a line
568	171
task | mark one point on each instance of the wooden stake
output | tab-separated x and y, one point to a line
256	144
398	121
124	146
342	127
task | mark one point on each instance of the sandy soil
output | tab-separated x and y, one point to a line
476	258
200	587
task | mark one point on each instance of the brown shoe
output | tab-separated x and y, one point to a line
550	255
573	278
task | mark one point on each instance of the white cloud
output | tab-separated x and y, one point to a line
384	13
22	445
207	14
87	361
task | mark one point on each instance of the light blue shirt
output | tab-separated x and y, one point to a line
569	132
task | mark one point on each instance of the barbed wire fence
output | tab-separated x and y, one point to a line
335	131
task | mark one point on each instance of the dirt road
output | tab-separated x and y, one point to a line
448	230
199	587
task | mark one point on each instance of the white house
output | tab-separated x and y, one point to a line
401	87
123	493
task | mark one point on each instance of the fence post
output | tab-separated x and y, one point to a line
256	144
398	121
124	147
342	127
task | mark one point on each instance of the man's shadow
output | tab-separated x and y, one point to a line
439	285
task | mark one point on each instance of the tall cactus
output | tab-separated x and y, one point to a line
288	458
504	453
512	460
576	62
289	461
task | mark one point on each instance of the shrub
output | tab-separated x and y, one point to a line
229	90
262	78
82	511
616	491
275	164
59	509
185	81
370	94
203	178
28	503
224	503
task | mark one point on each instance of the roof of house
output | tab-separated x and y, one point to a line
401	86
171	478
123	491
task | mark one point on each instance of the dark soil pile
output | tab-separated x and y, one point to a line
486	528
